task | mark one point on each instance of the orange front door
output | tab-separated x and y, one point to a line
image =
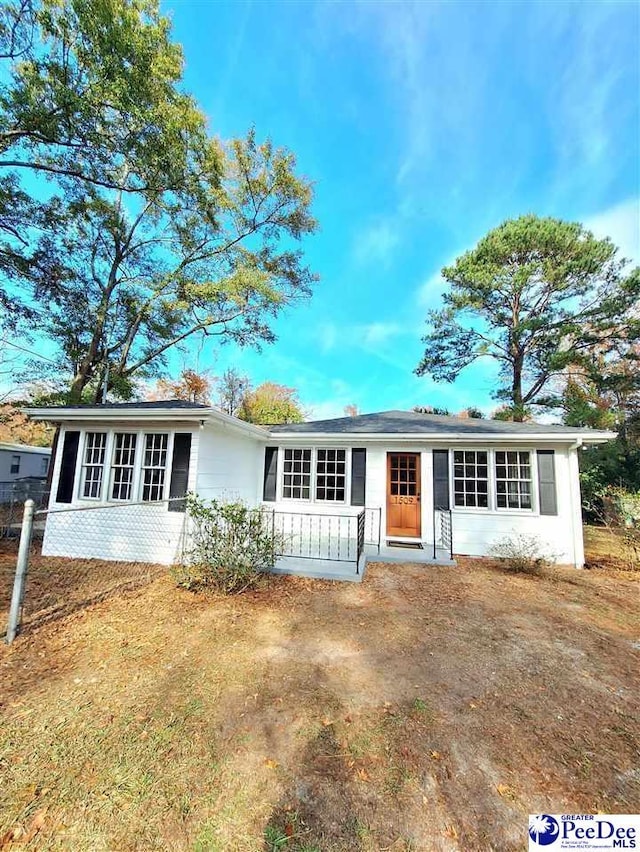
403	494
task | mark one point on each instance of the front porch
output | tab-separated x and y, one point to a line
339	547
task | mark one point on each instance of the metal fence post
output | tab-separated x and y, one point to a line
434	532
21	571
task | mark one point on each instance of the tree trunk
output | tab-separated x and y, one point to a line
517	354
78	384
516	390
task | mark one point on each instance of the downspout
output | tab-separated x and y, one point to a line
575	483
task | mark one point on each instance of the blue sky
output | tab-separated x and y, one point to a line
422	126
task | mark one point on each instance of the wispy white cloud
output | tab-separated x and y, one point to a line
425	72
377	333
587	89
367	335
326	336
428	294
622	223
560	116
338	394
326	410
376	243
590	101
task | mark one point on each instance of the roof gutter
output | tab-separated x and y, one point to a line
452	437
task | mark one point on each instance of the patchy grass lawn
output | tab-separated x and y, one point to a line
606	548
429	708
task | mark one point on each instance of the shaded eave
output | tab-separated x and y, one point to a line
83	414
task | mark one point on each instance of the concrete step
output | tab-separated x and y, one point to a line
423	555
320	569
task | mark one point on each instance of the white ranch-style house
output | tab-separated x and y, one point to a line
395	485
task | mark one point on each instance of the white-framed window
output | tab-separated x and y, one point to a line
296	474
331	475
95	445
123	465
44	466
154	466
15	464
471	478
314	474
513	479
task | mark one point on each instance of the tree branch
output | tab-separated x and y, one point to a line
202	326
69	172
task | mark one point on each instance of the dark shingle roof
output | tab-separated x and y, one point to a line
398	422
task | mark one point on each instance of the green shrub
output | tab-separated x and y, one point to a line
631	547
622	514
622	507
521	554
229	546
604	467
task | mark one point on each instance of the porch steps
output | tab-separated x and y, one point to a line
325	569
320	569
397	553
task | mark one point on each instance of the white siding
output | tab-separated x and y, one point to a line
126	533
230	466
475	531
376	490
576	507
122	531
224	465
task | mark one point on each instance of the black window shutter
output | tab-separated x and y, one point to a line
70	446
179	470
358	476
270	473
441	479
547	482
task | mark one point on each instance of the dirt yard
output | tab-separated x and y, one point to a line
426	709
